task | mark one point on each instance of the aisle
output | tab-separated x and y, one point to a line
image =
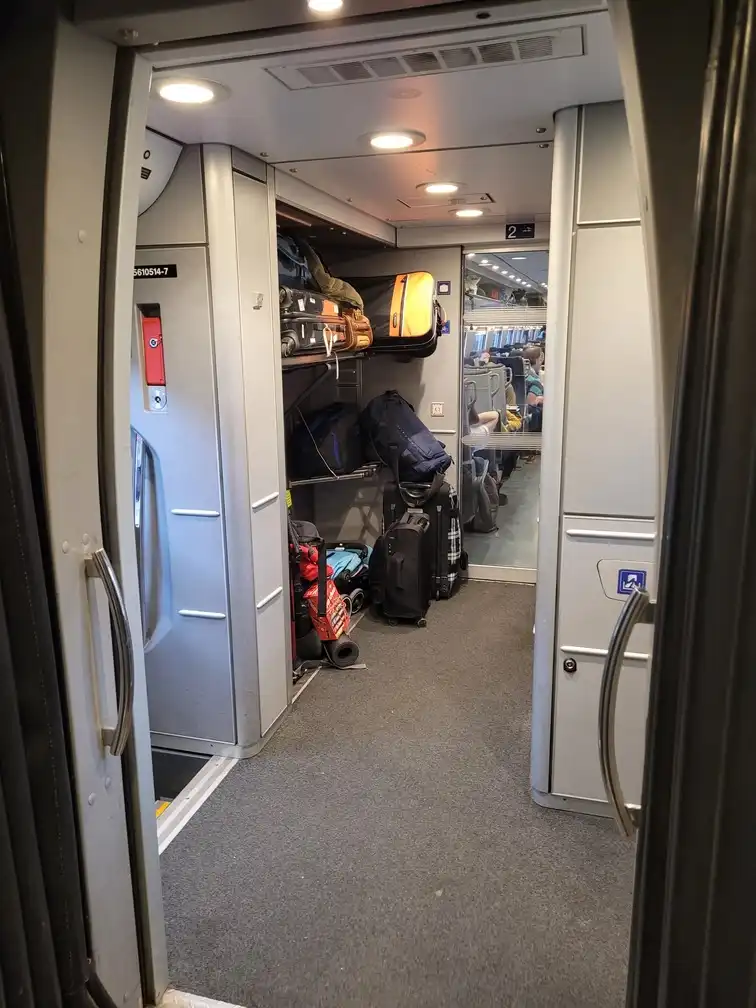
515	543
383	851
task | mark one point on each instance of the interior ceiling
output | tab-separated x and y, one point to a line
481	124
512	268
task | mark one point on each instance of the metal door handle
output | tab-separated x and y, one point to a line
626	817
99	565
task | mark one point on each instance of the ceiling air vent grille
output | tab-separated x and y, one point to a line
497	52
510	51
352	71
538	47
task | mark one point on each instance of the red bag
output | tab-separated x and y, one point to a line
335	622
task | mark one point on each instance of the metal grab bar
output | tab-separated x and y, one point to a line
99	565
626	817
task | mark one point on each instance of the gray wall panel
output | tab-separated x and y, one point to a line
610	433
177	217
608	182
189	676
263	420
605	474
588	609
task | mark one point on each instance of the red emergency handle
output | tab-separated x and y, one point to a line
154	361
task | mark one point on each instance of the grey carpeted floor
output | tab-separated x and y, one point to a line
383	851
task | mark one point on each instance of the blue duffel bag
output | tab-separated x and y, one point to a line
394	435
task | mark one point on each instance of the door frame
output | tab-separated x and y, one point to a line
693	824
501	572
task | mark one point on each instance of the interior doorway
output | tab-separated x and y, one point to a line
502	405
384	797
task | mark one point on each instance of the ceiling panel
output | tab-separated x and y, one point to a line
480	124
487	105
516	177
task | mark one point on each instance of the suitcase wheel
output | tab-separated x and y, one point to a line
422	622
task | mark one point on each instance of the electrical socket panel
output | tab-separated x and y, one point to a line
437	409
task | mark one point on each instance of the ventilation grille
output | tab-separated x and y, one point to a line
434	60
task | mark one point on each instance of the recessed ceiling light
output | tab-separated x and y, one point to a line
470	255
441	188
325	6
518	257
484	262
469	212
519	280
189	92
397	140
497	267
543	285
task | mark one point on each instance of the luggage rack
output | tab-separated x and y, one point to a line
311	360
364	472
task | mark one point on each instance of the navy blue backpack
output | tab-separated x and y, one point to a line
293	270
394	435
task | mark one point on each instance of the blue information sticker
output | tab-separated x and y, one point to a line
446	328
627	580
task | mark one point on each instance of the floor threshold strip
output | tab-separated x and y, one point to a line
192	798
180	999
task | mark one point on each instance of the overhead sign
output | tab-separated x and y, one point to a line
516	232
159	158
629	580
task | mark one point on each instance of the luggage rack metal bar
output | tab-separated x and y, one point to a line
310	360
364	472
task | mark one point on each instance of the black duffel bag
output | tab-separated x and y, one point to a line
327	442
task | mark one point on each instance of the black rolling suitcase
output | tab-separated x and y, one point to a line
447	559
400	582
310	323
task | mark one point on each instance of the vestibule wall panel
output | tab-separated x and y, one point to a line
610	421
599	490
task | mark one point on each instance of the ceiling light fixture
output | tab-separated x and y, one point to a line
543	285
396	140
517	257
470	255
497	267
189	92
469	212
484	262
325	6
441	188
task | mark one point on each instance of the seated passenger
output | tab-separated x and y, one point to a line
533	381
534	388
